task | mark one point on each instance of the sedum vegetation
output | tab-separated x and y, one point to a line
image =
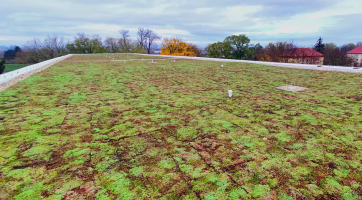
93	128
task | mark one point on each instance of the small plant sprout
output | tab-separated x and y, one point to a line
174	60
230	93
222	66
124	61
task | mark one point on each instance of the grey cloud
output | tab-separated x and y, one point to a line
28	19
285	8
348	29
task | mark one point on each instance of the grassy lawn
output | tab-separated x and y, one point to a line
92	128
12	67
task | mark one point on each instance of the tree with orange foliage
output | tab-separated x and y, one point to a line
176	47
265	57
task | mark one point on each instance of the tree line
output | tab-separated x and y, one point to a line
232	47
53	46
337	55
38	50
239	47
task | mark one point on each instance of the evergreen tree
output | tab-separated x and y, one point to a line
319	46
11	53
2	66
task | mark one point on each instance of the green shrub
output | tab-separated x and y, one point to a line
139	50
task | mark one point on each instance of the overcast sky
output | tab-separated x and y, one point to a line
199	21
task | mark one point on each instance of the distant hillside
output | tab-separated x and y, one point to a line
4	48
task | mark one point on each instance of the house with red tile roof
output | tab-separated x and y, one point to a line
356	55
303	56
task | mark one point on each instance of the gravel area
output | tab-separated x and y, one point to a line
292	88
277	64
13	81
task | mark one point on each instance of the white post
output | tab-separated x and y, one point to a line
230	93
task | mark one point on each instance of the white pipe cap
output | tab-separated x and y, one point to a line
230	93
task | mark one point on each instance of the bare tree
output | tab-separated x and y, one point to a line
124	35
359	44
280	52
125	41
344	59
51	47
349	46
146	38
112	45
337	55
151	38
29	54
36	50
142	36
54	45
196	49
286	51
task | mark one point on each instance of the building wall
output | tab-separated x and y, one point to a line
315	61
357	58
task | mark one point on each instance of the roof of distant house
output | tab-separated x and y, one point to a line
303	53
357	50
